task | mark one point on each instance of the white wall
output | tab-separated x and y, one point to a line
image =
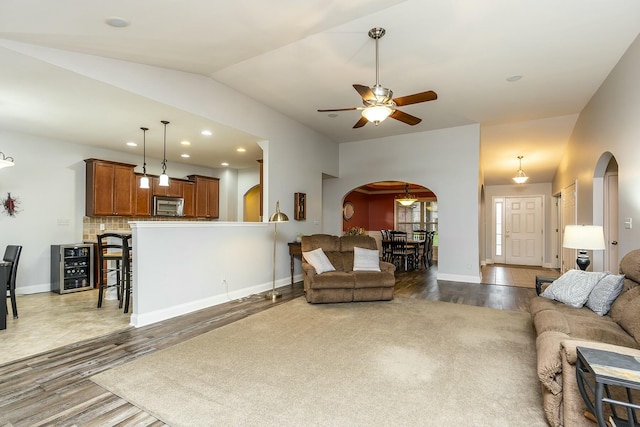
447	162
609	123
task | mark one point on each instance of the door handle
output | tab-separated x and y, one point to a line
615	242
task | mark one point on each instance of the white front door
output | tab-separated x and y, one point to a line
523	230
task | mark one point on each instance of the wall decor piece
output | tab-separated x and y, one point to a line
347	211
300	206
10	205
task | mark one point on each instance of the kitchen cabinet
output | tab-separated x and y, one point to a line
173	190
110	188
207	196
142	199
189	194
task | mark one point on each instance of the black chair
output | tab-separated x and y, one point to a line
12	255
421	236
401	254
386	245
112	253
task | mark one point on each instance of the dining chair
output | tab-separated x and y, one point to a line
12	255
111	262
401	254
386	245
420	236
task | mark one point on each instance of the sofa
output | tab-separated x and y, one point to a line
357	275
561	328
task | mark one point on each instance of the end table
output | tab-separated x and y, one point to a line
599	369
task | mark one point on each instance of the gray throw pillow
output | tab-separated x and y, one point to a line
605	293
573	287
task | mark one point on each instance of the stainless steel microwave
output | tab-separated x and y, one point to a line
168	206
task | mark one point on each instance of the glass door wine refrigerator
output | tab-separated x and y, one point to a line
71	268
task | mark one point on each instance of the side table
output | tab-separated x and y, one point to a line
295	249
599	369
541	280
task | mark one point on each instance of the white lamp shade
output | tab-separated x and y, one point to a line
164	180
144	182
586	237
377	113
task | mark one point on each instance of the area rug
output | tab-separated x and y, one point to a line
405	362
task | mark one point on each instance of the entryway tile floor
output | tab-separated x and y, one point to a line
515	275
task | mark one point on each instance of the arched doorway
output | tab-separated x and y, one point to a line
373	207
605	210
252	204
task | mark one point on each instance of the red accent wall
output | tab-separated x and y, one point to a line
372	212
360	216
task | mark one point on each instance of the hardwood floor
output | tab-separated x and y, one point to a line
53	388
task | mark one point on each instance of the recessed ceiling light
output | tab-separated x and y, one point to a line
132	144
185	142
514	78
241	150
224	164
332	115
116	21
185	155
206	132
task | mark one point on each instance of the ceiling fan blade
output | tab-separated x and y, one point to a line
360	123
365	92
338	109
405	118
416	98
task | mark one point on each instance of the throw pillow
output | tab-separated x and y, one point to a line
365	259
318	260
605	293
573	287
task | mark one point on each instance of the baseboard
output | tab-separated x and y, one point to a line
33	289
459	278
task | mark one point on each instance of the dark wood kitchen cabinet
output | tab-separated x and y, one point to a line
189	194
207	196
173	190
110	188
142	198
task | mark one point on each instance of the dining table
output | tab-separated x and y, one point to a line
5	268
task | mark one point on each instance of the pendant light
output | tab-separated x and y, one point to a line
144	181
164	178
520	177
406	199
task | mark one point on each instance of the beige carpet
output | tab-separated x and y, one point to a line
406	362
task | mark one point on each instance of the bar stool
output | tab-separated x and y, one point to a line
112	250
127	257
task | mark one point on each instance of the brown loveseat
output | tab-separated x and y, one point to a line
344	284
561	328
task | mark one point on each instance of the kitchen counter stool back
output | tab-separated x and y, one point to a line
111	256
12	255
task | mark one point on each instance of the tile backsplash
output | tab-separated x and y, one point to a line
91	224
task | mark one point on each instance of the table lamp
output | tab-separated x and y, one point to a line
583	238
275	218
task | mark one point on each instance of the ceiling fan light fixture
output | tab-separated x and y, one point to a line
376	113
520	177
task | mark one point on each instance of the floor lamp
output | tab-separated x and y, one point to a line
583	238
275	219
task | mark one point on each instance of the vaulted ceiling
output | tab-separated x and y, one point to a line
522	69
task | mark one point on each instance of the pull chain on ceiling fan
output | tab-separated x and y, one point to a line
378	102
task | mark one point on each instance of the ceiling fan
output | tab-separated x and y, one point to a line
378	102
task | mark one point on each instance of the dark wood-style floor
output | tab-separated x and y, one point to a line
53	388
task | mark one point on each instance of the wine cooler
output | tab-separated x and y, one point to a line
71	268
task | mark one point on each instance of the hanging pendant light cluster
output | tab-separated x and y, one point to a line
406	199
144	181
164	178
520	177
